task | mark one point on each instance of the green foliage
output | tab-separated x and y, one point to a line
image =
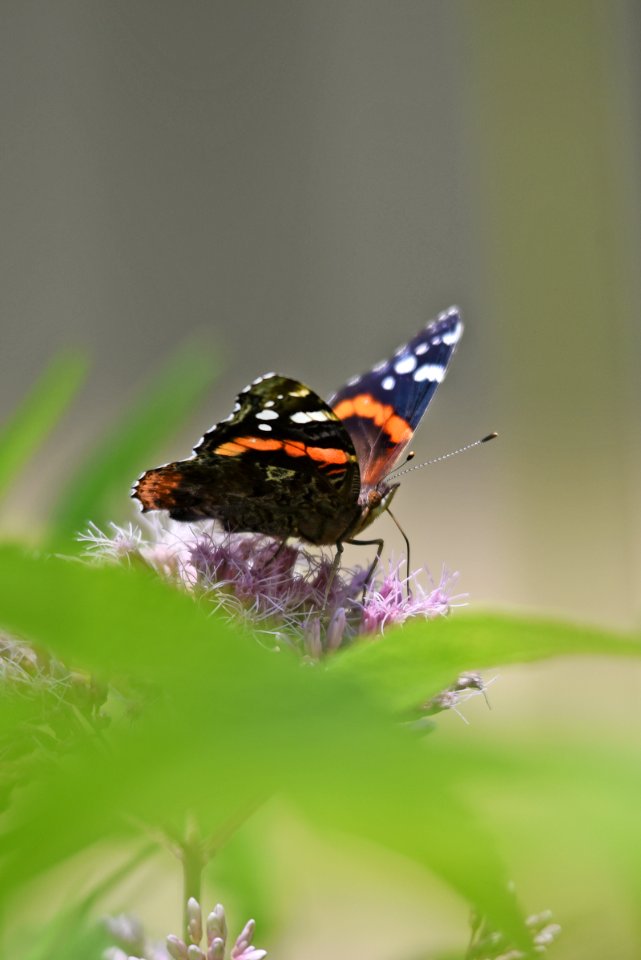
131	445
74	933
406	669
21	436
203	720
317	736
325	738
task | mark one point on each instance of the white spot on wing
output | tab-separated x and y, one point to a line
430	371
300	417
352	381
264	426
269	403
390	382
453	336
421	349
267	415
379	366
406	364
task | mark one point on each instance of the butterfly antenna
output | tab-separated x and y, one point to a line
446	456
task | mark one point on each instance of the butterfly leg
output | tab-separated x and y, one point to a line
277	552
379	550
407	549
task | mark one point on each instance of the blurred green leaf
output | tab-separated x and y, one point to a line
557	800
30	426
70	936
407	666
232	723
73	934
104	480
228	723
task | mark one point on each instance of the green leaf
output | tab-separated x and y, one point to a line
228	723
29	427
100	487
72	934
408	665
234	723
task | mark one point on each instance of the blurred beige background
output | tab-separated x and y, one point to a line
307	183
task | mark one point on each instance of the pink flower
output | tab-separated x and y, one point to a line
396	599
286	593
216	937
129	933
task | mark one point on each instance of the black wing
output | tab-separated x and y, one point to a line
281	464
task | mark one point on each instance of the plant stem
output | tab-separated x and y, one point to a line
195	852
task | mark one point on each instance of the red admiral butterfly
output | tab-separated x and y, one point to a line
286	464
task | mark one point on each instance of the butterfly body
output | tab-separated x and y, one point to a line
285	463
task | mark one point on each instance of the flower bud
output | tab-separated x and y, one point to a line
195	920
176	948
217	924
313	639
336	629
216	949
244	939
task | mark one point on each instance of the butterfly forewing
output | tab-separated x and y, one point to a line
275	409
382	408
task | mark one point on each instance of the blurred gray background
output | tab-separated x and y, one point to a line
306	183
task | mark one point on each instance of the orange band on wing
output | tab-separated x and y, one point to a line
236	447
293	448
328	454
397	429
364	405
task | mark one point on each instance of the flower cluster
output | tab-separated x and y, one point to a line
130	935
287	594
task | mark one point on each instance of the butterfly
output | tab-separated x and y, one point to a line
285	463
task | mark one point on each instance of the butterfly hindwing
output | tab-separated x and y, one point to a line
382	408
282	464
